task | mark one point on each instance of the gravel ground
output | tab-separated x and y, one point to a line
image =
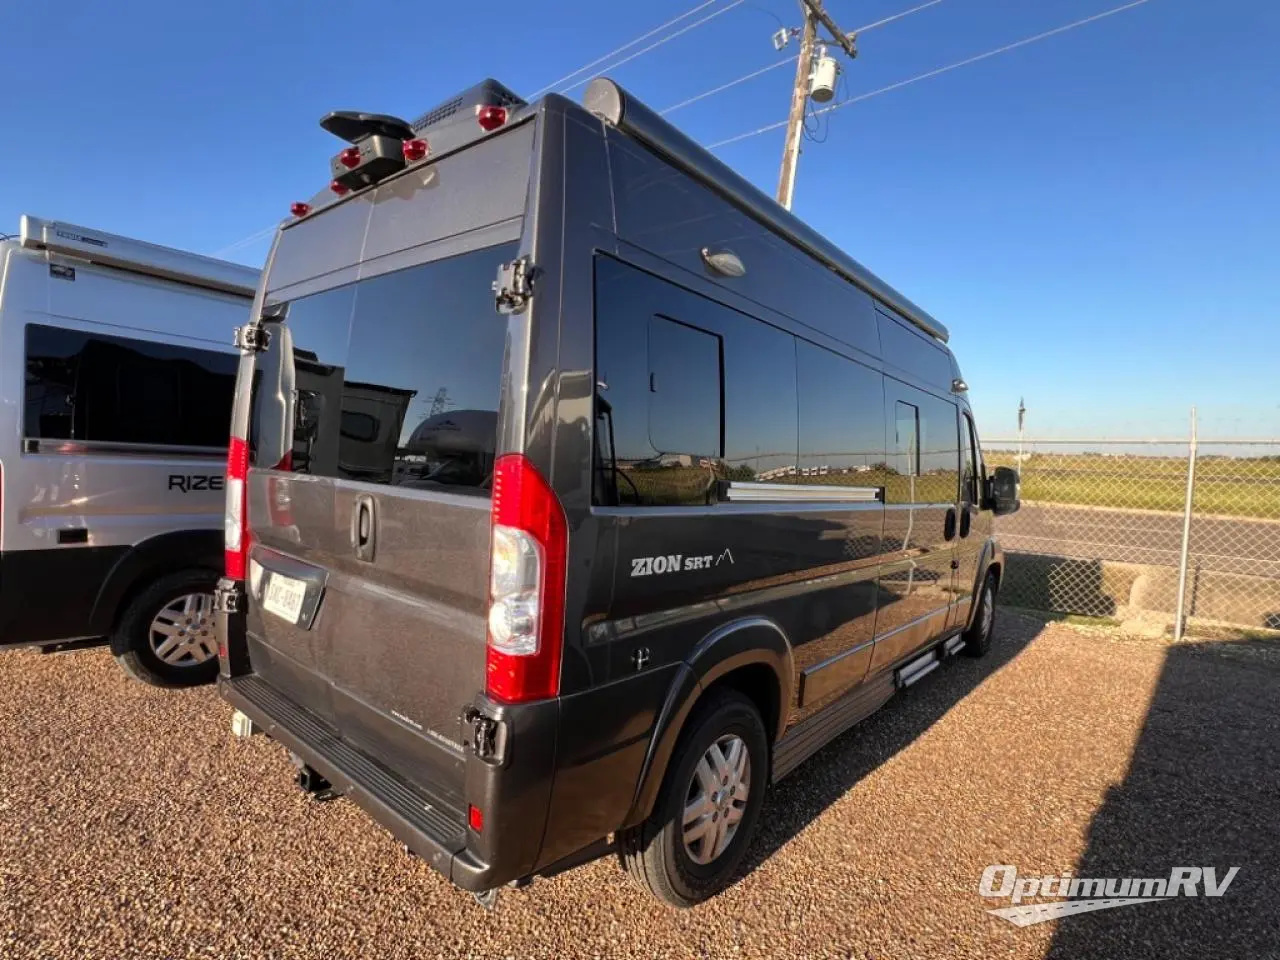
133	825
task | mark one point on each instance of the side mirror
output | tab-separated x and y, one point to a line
1002	492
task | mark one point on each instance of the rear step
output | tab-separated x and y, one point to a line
928	662
412	814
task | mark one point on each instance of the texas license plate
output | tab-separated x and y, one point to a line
284	597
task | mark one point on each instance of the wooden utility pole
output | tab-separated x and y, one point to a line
813	15
795	121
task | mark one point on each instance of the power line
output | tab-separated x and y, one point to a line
667	39
897	16
625	46
941	70
782	63
246	241
726	86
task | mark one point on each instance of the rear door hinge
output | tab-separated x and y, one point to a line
513	288
252	338
229	596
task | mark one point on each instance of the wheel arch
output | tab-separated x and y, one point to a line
991	559
146	562
751	655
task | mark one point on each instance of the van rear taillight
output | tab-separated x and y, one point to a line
235	523
526	584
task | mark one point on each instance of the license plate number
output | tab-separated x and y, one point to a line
284	597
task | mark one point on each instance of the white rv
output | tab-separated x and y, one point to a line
117	370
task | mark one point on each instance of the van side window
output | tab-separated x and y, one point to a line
106	389
761	430
684	389
657	412
971	472
841	420
906	451
939	452
925	461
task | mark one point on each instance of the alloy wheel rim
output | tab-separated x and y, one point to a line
988	612
182	633
716	799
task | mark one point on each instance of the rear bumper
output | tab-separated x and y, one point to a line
429	825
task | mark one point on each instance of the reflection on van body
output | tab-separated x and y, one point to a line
710	523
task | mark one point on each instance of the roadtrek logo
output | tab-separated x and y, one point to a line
1085	895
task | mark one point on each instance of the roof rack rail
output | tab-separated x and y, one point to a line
615	106
151	259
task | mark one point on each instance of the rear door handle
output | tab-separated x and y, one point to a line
364	527
949	526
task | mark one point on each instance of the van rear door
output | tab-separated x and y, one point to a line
371	432
371	528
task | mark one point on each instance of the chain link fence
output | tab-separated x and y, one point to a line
1160	535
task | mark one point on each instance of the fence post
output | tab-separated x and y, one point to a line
1180	621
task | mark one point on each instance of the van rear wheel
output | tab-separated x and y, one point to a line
689	848
166	635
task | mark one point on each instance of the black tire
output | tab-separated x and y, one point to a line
131	642
977	639
655	852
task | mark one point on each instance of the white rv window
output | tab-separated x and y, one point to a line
102	389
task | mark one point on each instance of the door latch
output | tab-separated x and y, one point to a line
513	288
640	658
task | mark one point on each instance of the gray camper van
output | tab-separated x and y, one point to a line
117	373
679	493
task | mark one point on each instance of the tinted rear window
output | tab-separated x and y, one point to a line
393	380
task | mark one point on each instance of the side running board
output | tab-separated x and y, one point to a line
809	736
928	662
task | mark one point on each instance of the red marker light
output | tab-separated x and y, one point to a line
414	150
300	209
350	157
475	818
491	118
341	189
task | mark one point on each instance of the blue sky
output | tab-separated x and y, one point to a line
1096	217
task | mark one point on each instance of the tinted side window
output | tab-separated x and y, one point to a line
969	471
688	391
841	419
939	452
761	440
924	462
907	439
684	389
658	389
106	389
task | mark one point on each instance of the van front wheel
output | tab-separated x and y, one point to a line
706	813
977	639
165	636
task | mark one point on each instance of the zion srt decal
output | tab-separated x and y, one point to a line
676	562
